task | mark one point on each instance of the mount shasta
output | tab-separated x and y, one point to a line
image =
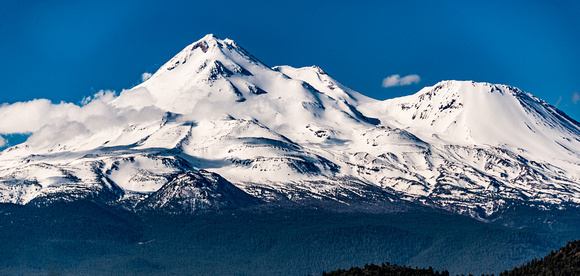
216	128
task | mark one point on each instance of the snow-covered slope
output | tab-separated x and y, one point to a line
216	128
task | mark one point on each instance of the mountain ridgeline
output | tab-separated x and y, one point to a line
219	163
281	135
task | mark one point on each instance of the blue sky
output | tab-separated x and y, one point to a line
67	50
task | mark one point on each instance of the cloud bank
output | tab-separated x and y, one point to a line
47	121
575	97
396	80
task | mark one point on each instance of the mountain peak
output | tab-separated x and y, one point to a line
222	77
209	41
206	49
468	112
209	37
296	134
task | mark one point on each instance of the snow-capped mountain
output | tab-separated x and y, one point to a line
216	128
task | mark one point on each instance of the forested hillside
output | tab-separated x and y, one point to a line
85	238
564	262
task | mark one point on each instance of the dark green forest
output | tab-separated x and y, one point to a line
386	269
564	262
88	238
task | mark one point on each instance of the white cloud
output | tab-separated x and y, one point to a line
62	132
59	122
103	95
146	76
27	117
135	97
2	141
575	97
396	80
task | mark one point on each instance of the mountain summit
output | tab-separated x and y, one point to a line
216	128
